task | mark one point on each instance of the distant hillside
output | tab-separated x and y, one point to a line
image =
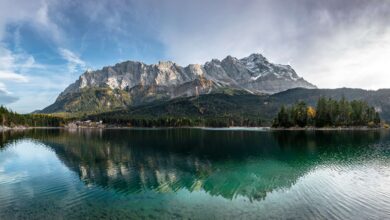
380	99
239	106
235	108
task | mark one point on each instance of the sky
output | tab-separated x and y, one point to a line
45	45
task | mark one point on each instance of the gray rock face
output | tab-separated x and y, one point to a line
134	83
253	73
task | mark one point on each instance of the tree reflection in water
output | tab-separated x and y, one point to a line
225	163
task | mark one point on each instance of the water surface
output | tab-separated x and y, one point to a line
194	173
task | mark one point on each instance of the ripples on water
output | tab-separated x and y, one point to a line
194	173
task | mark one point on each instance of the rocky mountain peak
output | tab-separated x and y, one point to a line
230	59
255	57
230	72
166	63
168	80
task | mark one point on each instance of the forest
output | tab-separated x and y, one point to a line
328	113
9	118
179	121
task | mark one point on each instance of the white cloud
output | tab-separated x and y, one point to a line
35	13
201	30
74	61
5	96
331	43
41	90
4	75
12	63
3	88
13	70
43	22
358	58
29	62
20	74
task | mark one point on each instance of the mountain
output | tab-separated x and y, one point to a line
133	83
241	108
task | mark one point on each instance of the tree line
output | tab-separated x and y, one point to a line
328	113
175	121
10	119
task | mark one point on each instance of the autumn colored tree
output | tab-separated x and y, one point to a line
329	112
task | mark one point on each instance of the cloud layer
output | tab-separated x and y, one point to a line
331	43
5	97
47	44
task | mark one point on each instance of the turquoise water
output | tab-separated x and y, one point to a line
194	174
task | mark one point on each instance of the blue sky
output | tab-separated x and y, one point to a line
46	44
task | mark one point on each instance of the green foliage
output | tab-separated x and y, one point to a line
227	102
299	114
10	119
212	110
328	113
170	121
283	118
90	101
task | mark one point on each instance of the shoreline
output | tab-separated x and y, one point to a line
260	128
329	129
239	128
265	128
22	128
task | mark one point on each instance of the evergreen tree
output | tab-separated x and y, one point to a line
321	116
377	119
282	119
299	114
329	112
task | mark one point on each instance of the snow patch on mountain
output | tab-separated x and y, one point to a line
253	73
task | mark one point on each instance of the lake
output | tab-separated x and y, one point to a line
194	173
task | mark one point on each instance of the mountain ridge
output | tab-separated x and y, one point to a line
254	63
132	82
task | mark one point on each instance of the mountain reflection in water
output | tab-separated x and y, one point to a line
222	163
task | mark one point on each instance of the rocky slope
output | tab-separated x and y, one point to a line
131	83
